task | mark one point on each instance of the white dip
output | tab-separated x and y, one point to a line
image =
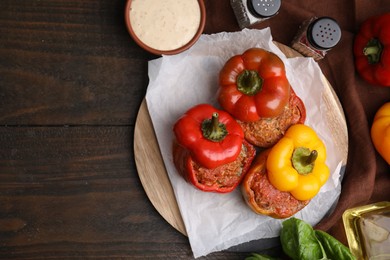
165	24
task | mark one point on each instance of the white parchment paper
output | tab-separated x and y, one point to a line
218	221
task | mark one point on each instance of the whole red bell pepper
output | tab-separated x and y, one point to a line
254	85
372	50
210	151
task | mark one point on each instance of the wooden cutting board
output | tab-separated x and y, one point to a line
151	168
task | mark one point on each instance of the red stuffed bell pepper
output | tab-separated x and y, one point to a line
372	50
254	85
209	150
255	90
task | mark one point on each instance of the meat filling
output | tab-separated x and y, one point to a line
282	204
225	175
267	131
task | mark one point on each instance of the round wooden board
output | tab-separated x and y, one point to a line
151	168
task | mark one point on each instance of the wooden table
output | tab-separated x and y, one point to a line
71	83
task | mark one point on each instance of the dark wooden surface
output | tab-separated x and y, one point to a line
71	82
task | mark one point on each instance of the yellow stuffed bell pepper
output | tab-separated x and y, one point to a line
380	131
296	163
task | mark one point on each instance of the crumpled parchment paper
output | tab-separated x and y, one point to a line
214	221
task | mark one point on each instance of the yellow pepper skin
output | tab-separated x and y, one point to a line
296	163
380	131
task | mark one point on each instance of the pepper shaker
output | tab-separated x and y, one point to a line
316	37
250	12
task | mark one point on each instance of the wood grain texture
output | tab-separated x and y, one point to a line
71	83
155	179
153	176
73	192
77	55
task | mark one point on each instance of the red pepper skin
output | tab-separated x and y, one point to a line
236	94
209	154
374	32
226	177
297	101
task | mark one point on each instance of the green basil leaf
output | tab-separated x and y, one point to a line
299	240
255	256
334	249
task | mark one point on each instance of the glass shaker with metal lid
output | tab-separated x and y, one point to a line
316	37
250	12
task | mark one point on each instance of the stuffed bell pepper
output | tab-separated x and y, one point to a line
253	88
284	178
209	149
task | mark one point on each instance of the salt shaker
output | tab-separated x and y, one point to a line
250	12
316	37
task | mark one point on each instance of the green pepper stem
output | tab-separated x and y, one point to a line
312	157
214	130
215	121
373	51
249	82
303	160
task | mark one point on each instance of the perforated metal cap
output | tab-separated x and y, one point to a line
264	8
324	33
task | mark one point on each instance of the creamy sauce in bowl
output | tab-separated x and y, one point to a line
165	24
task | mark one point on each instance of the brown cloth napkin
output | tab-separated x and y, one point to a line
367	175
